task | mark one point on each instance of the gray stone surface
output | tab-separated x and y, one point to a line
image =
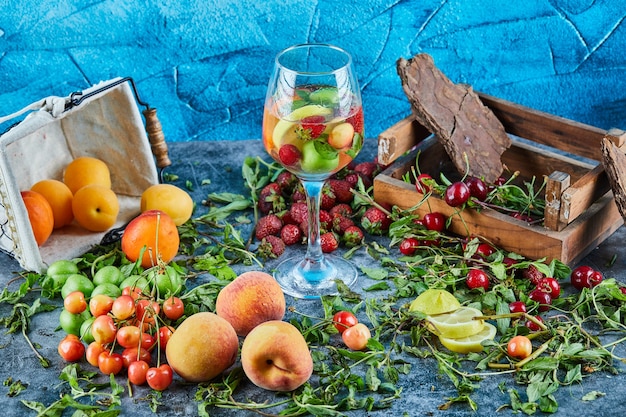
423	389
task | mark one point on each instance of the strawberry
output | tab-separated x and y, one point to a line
353	180
326	220
356	120
287	181
314	124
271	199
299	212
298	194
368	169
268	225
532	274
341	190
271	247
289	155
341	223
327	200
286	218
352	236
329	242
341	209
375	221
291	234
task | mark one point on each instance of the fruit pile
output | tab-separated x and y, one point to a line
84	195
284	217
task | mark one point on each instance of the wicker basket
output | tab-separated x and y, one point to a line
103	122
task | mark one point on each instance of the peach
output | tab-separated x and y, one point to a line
86	170
203	346
95	207
275	356
250	299
174	201
157	232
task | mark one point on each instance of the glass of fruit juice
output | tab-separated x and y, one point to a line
313	126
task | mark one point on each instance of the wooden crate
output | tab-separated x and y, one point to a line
580	209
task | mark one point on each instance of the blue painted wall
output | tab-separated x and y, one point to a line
204	64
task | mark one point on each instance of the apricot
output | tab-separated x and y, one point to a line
86	170
276	357
250	299
155	231
40	215
95	207
60	198
174	201
203	346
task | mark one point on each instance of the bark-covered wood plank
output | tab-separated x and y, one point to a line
614	162
456	115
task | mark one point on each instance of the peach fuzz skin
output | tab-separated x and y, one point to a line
252	298
202	347
275	356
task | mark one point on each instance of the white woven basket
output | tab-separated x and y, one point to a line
106	125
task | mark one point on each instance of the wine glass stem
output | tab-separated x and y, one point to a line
313	191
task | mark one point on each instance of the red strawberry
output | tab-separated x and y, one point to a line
268	225
287	181
299	212
298	194
291	234
329	242
352	236
375	221
356	120
341	223
369	169
341	210
271	247
271	199
353	179
315	124
532	274
326	220
286	218
328	198
289	154
341	190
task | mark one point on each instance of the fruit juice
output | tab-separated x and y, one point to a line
310	134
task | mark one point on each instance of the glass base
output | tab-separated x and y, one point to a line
302	278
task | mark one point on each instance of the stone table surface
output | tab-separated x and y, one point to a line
423	390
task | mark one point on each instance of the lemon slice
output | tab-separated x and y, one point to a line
471	343
285	131
456	324
435	301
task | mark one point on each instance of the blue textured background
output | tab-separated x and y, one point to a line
204	64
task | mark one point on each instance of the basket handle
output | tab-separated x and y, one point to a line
156	138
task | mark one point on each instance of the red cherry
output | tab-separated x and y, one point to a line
543	298
477	278
532	326
484	250
420	185
435	221
585	277
477	188
408	246
517	307
550	286
457	194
